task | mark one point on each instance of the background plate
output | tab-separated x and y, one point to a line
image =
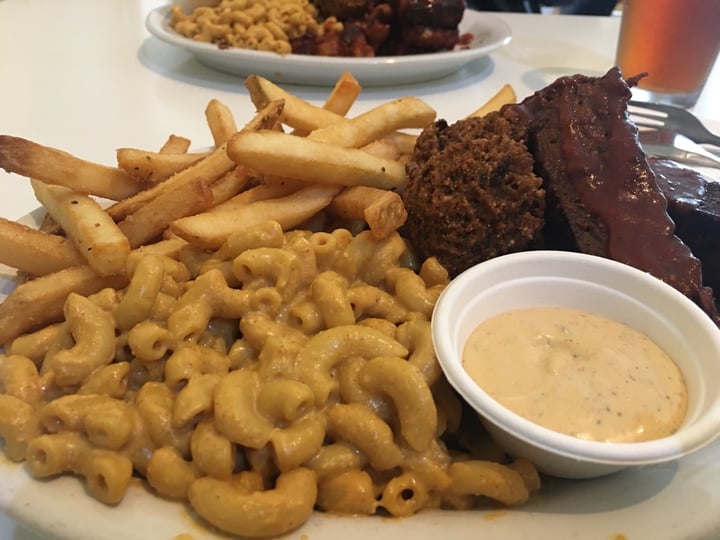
489	33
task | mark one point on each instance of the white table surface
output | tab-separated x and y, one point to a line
86	77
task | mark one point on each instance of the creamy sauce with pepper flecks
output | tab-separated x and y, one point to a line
578	373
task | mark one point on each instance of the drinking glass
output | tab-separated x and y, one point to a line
675	42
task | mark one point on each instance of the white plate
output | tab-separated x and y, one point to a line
676	501
671	502
489	33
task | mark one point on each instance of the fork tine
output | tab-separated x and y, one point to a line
675	119
648	116
652	106
648	125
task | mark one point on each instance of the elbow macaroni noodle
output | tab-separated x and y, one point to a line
263	25
282	373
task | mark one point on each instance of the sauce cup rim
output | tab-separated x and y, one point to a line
690	437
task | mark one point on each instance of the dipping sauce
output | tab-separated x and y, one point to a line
578	373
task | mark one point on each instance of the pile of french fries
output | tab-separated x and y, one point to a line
293	162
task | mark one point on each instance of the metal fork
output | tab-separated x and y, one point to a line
659	116
669	145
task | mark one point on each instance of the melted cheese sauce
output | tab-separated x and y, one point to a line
578	373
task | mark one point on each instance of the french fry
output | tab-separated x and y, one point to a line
89	227
383	148
175	145
261	192
297	113
209	230
505	95
343	95
40	301
405	142
150	220
341	98
154	167
294	157
35	252
382	210
406	112
168	248
220	121
209	169
267	117
57	167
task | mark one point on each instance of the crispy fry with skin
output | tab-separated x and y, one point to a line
175	144
35	252
505	95
289	156
209	169
154	167
267	117
403	113
210	229
382	210
220	121
150	220
91	230
57	167
297	113
261	192
212	167
40	301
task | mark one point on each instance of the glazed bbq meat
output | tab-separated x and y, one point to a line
424	26
563	169
471	193
385	27
602	195
694	206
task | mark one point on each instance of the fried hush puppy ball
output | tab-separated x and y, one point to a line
471	193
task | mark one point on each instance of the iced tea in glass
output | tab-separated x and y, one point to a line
675	41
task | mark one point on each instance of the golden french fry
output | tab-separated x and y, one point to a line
210	229
267	117
406	112
35	252
382	210
405	142
505	95
383	148
89	227
288	156
343	95
220	121
297	113
150	220
208	169
57	167
40	301
168	248
175	145
261	192
154	167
